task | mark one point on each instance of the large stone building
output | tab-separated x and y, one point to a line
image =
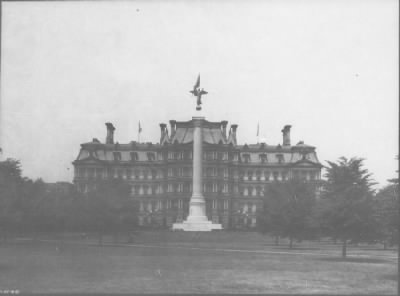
234	176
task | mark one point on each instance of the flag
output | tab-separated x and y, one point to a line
140	128
197	82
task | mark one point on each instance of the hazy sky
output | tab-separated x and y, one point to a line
328	68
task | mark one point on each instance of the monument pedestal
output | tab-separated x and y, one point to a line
196	226
197	219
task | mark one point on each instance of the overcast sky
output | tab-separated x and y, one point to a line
328	68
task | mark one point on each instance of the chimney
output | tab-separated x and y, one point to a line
173	125
163	128
234	128
286	135
110	133
223	124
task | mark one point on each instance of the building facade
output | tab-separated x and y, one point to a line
235	177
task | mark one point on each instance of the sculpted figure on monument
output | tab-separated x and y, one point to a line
198	92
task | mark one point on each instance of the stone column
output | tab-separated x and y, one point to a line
197	205
197	219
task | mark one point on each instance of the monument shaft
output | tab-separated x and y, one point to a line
197	218
197	210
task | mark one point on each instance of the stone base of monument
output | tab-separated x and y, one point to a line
196	223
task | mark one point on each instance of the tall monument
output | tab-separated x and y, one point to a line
197	218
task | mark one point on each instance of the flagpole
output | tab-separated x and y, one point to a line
258	133
139	131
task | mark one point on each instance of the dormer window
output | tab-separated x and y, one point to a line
280	158
246	158
117	156
151	156
263	158
134	156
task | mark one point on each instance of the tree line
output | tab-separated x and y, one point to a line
344	207
28	207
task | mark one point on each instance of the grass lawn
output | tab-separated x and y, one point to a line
188	263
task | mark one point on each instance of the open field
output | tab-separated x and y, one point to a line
166	262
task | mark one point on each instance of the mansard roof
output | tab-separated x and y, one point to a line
214	133
182	132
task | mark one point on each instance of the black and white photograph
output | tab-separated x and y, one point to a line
199	147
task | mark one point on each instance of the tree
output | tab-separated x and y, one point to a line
348	206
386	206
288	210
11	183
108	207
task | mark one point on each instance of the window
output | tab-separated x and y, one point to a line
179	187
210	155
254	192
137	189
214	187
263	158
275	174
280	158
137	174
151	156
128	173
209	187
250	174
134	156
170	188
258	175
154	174
169	204
226	204
246	158
159	205
117	156
169	172
215	204
253	222
220	156
180	204
245	192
